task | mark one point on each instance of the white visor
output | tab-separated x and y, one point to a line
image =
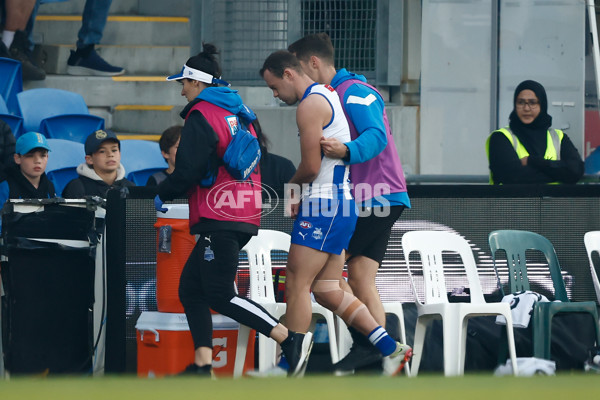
197	75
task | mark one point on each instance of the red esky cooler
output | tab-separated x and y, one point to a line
165	346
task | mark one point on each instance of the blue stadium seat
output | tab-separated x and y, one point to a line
14	121
141	158
11	83
74	127
592	163
41	103
63	159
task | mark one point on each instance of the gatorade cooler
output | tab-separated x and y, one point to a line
174	245
165	346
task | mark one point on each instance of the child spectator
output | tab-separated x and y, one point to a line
169	141
27	178
102	169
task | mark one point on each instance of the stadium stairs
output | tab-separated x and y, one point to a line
149	38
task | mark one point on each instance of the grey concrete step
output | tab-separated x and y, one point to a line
139	104
146	90
137	60
123	7
142	119
119	30
111	91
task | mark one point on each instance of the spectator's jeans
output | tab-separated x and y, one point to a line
93	21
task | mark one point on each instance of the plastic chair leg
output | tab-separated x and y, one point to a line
240	351
321	312
267	353
331	331
344	340
396	309
511	348
420	331
463	346
541	331
267	347
452	345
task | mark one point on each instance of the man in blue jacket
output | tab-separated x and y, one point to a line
379	187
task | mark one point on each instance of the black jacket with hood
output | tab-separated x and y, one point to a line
89	183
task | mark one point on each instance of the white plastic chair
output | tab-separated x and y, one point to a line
592	243
261	291
430	245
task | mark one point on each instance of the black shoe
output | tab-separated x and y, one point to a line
296	349
86	61
360	355
205	371
19	50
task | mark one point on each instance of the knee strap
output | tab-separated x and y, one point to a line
349	307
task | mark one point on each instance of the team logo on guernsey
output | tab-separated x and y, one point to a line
232	123
317	234
305	225
209	255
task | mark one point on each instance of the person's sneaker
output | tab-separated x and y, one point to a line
359	356
296	349
395	362
205	371
87	61
19	50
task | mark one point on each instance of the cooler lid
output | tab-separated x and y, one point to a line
175	211
178	321
163	321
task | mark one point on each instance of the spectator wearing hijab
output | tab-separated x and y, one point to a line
529	150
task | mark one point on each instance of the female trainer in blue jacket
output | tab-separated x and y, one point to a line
221	217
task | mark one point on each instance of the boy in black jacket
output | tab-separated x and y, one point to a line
27	178
102	169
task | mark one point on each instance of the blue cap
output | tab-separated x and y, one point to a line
30	141
95	140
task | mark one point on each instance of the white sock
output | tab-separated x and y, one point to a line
7	38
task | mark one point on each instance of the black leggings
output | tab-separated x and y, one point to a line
207	281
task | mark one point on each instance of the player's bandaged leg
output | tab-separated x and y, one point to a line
344	304
329	294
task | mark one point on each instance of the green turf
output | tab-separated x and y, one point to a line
564	386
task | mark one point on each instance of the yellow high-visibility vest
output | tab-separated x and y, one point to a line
554	139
